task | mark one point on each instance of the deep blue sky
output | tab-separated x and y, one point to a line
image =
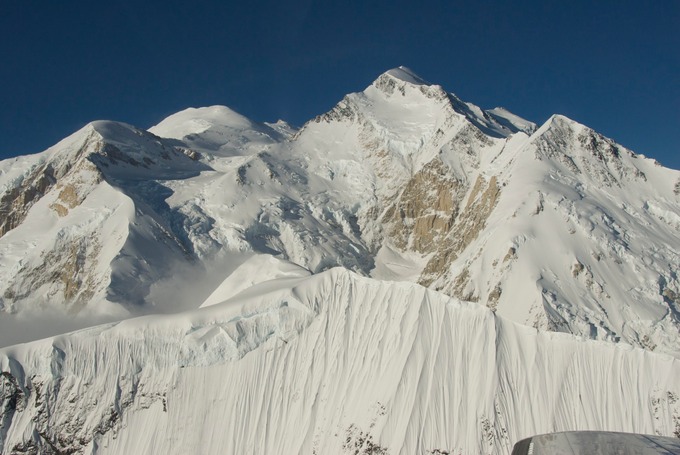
611	64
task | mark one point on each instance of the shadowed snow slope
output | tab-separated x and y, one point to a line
329	364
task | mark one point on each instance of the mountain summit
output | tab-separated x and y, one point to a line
406	75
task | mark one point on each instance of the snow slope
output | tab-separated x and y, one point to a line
332	363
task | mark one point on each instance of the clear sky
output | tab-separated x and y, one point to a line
613	65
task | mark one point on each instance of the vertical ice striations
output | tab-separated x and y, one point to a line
333	363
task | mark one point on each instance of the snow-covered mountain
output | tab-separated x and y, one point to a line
552	226
236	227
334	363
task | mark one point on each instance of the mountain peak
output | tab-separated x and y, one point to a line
198	120
405	74
558	121
114	131
563	119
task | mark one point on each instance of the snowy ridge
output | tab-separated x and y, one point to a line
333	363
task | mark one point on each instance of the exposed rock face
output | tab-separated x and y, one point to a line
65	171
75	186
426	210
12	400
584	151
66	274
67	271
471	221
15	203
60	434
